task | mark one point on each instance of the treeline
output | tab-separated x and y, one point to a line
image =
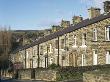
5	42
21	38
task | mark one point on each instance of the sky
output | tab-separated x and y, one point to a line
42	14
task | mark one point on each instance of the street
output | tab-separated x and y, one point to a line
13	80
36	81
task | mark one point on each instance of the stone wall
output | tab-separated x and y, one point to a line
96	77
47	75
24	74
37	74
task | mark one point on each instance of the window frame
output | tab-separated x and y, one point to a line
95	53
84	36
107	33
95	34
107	56
62	43
56	44
74	40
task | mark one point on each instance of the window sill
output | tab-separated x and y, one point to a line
94	41
74	46
83	46
106	41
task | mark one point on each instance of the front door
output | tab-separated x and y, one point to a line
73	59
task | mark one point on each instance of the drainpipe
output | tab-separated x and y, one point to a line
45	61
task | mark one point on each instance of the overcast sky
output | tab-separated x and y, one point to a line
41	14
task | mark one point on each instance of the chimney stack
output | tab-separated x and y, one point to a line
107	6
55	28
77	19
93	12
65	24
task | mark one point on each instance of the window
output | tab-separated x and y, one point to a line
83	60
50	60
50	48
107	33
74	39
95	34
107	57
62	43
41	50
56	44
27	54
84	39
95	57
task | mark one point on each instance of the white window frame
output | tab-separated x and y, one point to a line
50	48
74	41
108	57
95	56
107	36
95	34
83	39
83	60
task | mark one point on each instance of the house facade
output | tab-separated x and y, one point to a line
85	43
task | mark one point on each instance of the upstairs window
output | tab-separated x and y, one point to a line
107	33
94	34
50	48
41	50
84	39
56	44
74	39
62	43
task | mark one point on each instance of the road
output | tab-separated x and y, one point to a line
13	80
20	81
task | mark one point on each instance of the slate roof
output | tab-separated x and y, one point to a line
66	30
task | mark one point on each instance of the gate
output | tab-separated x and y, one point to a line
32	73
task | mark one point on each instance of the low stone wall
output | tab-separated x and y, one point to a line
24	74
96	77
37	74
85	74
47	75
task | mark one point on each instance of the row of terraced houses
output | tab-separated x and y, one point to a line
83	43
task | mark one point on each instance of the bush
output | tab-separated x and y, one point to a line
53	66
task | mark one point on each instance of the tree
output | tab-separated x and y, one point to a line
5	47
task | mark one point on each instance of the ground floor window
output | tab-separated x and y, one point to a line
107	57
95	57
83	60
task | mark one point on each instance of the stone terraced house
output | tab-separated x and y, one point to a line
86	42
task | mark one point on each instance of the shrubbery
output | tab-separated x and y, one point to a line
53	66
